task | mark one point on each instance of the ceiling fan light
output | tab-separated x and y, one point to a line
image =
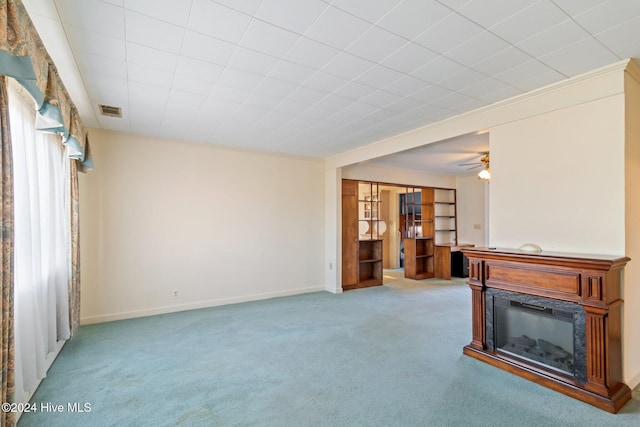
484	174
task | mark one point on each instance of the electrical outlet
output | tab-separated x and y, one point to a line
175	294
476	226
330	266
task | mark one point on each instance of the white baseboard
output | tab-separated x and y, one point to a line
195	305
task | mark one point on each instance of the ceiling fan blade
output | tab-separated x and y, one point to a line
470	164
475	167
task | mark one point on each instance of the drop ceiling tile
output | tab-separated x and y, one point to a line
108	90
269	39
228	93
290	72
310	53
528	70
325	82
274	119
153	33
254	62
216	20
501	94
198	69
376	44
341	118
353	90
305	95
171	11
379	76
483	88
274	87
205	48
240	79
359	109
347	65
462	79
262	101
381	98
573	7
95	43
608	14
249	7
142	74
289	106
372	11
152	96
448	33
540	80
438	69
623	39
430	93
316	113
503	60
490	12
403	105
186	101
536	18
154	58
409	57
292	15
336	28
101	65
93	15
556	37
412	17
191	84
579	57
454	4
477	48
406	86
334	102
451	101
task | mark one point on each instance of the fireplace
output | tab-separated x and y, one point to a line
548	333
552	318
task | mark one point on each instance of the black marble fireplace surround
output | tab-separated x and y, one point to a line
560	321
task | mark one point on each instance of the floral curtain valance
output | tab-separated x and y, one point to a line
23	57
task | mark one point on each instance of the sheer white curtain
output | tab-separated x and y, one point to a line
42	243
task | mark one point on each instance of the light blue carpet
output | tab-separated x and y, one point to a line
385	356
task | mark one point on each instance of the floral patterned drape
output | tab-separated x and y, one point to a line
24	57
74	280
6	255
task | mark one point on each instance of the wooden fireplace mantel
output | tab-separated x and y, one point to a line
592	281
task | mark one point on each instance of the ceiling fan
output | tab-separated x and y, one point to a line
483	162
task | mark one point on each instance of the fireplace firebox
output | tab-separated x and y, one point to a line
541	331
552	318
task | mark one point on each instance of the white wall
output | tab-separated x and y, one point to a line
557	180
217	226
631	294
470	198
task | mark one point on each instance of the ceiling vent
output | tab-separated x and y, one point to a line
110	111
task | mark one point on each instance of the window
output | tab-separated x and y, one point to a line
42	243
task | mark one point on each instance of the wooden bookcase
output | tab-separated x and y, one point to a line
445	216
361	230
419	233
418	255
